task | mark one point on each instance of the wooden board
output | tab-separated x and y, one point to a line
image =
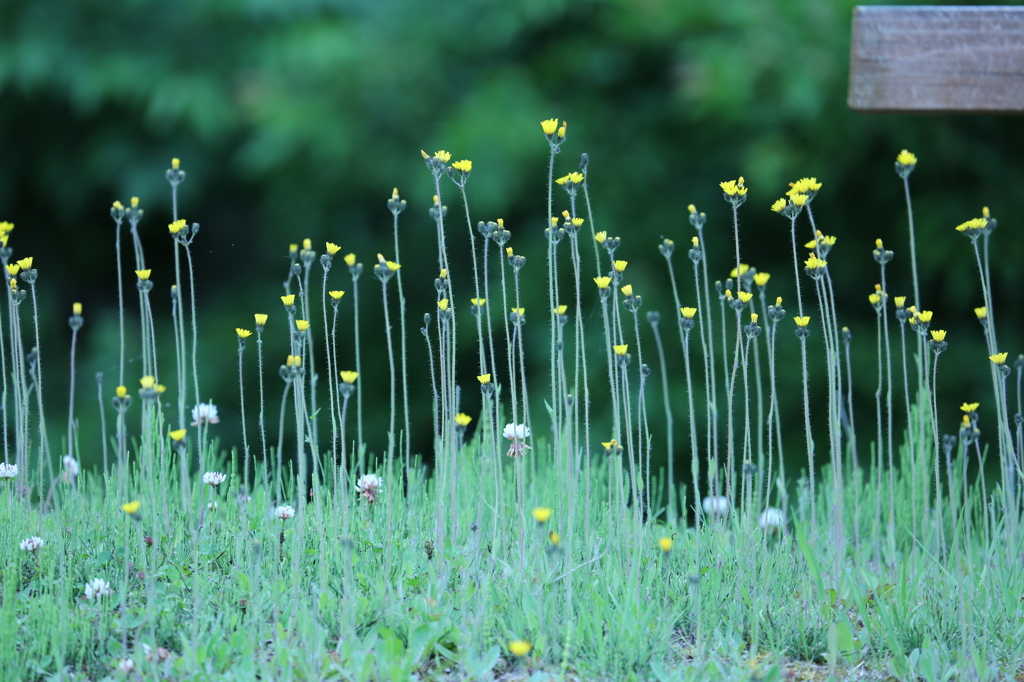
937	58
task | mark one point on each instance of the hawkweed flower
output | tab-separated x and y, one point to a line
516	433
369	487
570	182
283	512
734	192
881	254
973	228
8	471
542	514
261	321
905	164
555	539
520	647
204	413
214	478
462	420
801	326
96	589
665	544
938	340
790	207
348	383
385	269
174	174
771	520
612	447
32	544
1000	361
437	163
131	508
715	505
970	408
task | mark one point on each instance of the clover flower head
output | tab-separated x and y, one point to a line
8	471
369	487
96	589
283	512
32	544
214	478
715	505
771	520
71	465
204	413
516	433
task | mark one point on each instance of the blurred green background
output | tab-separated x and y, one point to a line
295	119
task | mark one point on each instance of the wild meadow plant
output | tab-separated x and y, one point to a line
528	550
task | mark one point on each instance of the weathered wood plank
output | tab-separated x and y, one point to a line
937	58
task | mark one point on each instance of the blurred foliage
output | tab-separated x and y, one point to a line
295	119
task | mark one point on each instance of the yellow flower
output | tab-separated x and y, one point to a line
118	205
131	508
549	126
442	156
26	263
814	263
333	249
243	333
973	227
443	304
610	445
696	242
261	319
779	205
336	295
307	244
293	249
518	311
76	308
621	350
627	290
350	259
177	226
692	209
575	178
178	435
665	543
874	299
561	129
542	514
688	313
753	318
802	321
620	265
761	278
302	325
981	312
906	158
900	301
349	377
577	222
444	273
175	163
970	407
509	251
602	282
561	310
555	538
478	301
135	202
733	188
463	419
938	334
745	296
465	166
519	647
392	265
925	316
998	358
985	212
143	274
799	199
601	236
484	379
13	269
121	391
147	381
743	269
288	300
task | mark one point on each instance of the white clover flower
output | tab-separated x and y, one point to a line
32	544
771	520
516	433
214	478
715	505
285	511
8	470
126	665
96	589
369	486
161	654
71	466
204	413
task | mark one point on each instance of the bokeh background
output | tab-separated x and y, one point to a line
296	119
